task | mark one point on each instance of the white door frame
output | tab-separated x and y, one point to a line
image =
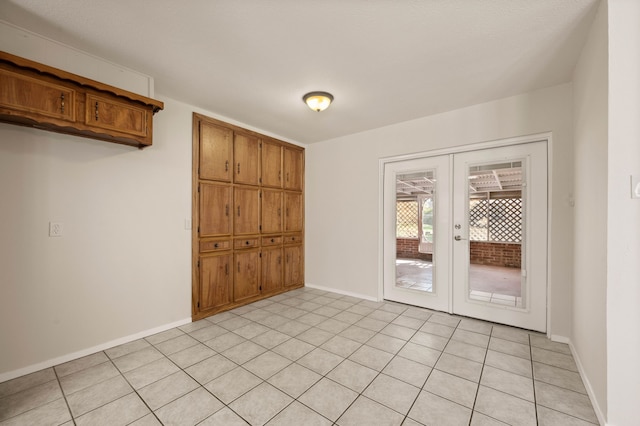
538	137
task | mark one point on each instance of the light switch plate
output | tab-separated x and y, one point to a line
55	229
635	186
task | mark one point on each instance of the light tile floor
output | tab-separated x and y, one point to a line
310	357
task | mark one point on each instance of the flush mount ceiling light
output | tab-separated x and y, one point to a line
318	101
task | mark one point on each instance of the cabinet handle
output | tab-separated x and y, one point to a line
287	176
226	166
238	266
62	103
238	168
96	111
279	175
238	211
226	209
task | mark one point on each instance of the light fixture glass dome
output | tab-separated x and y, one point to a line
318	101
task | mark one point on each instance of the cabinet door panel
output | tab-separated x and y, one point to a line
246	214
293	160
293	266
271	269
215	205
271	211
27	94
216	145
247	275
246	154
215	282
293	212
112	115
271	164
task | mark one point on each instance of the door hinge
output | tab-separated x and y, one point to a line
198	229
260	227
260	191
260	288
198	304
198	263
260	254
198	186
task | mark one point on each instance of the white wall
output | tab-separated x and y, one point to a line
342	194
590	226
623	242
123	263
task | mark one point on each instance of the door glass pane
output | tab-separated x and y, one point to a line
415	207
496	228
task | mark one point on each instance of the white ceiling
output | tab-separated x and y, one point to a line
385	61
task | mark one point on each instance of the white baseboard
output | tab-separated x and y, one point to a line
88	351
345	293
587	384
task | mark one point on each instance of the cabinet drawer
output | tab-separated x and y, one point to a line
271	241
246	243
215	245
293	239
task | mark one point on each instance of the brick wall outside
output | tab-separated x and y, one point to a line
496	254
408	248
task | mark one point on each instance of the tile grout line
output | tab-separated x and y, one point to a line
73	419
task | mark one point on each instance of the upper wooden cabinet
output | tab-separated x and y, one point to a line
246	154
216	148
271	164
36	95
293	168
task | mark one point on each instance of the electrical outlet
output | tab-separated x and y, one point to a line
55	229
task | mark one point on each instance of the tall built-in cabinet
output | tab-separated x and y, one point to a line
248	216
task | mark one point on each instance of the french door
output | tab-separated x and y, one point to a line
466	233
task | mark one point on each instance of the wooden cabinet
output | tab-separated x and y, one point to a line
247	216
36	95
246	153
293	212
271	269
214	210
215	147
215	282
293	168
271	211
246	282
246	211
271	164
293	275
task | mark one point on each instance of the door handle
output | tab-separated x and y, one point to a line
458	238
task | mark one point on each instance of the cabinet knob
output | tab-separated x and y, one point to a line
273	240
246	242
216	245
